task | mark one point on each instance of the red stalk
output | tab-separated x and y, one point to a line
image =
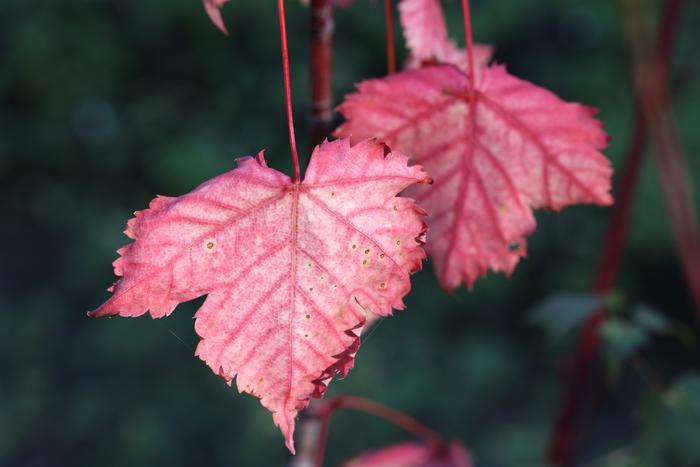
288	90
652	86
584	383
321	25
470	45
389	30
399	419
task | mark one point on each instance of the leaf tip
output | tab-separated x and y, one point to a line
212	8
284	419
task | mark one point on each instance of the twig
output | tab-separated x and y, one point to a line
321	26
651	80
584	383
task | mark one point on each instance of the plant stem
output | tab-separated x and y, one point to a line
654	95
315	428
287	89
389	30
584	382
321	26
470	45
393	416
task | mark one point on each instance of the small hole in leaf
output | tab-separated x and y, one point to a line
210	245
382	256
513	246
398	242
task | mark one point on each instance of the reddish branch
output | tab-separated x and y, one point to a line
584	384
321	25
651	80
314	431
399	419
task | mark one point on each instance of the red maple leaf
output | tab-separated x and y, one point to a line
289	270
426	37
414	455
494	154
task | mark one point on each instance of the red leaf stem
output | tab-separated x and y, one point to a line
470	44
287	89
395	417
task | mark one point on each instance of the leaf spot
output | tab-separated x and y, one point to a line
210	245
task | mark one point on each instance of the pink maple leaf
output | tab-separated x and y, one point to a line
494	155
425	32
289	269
414	455
213	9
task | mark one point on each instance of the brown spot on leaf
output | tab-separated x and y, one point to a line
210	245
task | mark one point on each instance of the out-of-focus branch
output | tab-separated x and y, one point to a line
651	81
314	429
320	124
585	381
321	26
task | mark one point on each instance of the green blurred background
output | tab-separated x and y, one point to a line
105	103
